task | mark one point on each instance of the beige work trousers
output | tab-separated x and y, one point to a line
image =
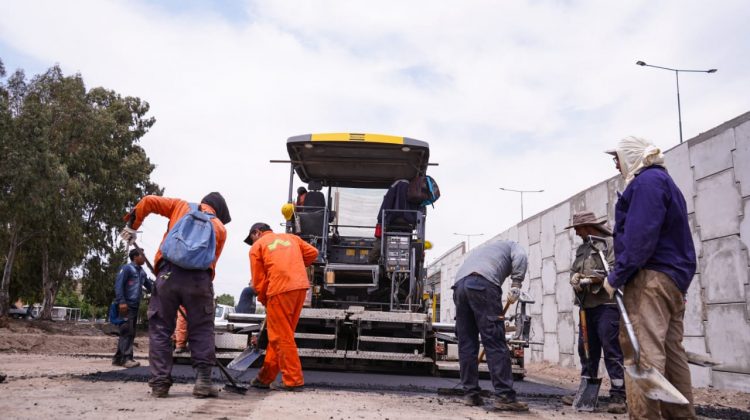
656	308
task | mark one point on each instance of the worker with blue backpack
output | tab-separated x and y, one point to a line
185	266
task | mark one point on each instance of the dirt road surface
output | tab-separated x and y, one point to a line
65	372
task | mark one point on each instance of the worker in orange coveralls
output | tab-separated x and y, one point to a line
277	264
181	333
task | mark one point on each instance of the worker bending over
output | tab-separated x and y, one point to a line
479	312
175	286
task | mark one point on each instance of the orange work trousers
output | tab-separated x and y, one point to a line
180	331
282	315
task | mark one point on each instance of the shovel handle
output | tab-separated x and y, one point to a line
629	328
148	263
501	317
584	333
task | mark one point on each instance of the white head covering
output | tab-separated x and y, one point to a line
634	154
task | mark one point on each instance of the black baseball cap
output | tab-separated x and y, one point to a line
263	227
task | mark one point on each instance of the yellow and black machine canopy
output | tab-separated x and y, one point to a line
355	160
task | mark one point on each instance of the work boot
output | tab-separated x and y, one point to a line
473	399
203	386
160	391
568	399
130	363
617	405
280	386
256	383
510	404
116	362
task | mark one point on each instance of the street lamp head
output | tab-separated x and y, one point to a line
711	71
640	63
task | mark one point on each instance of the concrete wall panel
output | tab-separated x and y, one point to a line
696	233
614	185
567	360
712	156
724	271
730	380
549	276
694	310
561	215
678	164
512	234
745	225
537	330
535	290
563	257
564	293
549	315
742	157
728	334
535	230
597	199
523	237
534	266
565	334
700	377
717	206
551	348
548	235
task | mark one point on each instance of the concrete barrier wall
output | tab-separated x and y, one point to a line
713	172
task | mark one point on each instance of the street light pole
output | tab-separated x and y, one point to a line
468	238
677	79
521	191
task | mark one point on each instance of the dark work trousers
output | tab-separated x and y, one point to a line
478	308
194	290
127	337
603	324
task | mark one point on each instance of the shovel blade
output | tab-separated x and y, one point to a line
588	394
245	359
655	386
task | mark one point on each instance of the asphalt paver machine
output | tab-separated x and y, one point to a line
365	308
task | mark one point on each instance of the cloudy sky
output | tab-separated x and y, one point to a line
522	94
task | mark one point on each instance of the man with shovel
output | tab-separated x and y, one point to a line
600	318
655	264
479	312
184	276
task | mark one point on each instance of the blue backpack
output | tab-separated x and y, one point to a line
191	243
114	314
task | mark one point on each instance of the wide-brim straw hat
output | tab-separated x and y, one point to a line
588	218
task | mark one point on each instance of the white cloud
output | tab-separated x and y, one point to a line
514	94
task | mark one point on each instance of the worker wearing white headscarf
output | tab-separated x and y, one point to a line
655	262
634	154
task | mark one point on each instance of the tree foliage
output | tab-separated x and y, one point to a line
70	163
225	299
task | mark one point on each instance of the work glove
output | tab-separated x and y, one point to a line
575	281
608	288
515	292
128	235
